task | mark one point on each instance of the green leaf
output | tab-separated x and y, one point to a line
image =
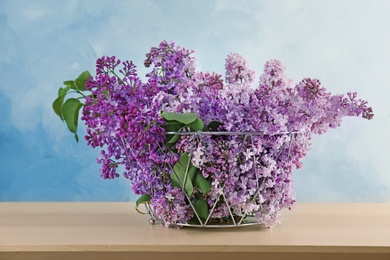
213	125
142	199
202	183
79	83
82	80
70	84
57	106
177	174
63	91
180	169
202	208
76	137
59	101
70	112
173	126
172	139
197	125
186	118
191	172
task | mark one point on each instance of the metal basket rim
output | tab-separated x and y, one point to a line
227	133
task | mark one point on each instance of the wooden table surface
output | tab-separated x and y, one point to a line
40	230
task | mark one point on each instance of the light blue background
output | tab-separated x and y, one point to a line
346	44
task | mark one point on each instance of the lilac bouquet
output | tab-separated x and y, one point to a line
198	148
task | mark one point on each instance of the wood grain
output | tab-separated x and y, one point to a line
40	230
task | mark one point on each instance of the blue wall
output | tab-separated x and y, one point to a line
343	43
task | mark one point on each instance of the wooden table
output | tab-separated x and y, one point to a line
116	231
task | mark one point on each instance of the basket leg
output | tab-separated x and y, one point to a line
152	219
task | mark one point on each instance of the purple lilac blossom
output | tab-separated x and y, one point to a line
249	174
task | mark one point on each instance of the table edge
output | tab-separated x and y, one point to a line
192	248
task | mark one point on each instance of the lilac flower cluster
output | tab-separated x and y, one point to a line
250	172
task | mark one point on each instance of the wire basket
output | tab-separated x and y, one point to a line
233	217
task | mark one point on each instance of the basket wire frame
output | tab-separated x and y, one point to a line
245	219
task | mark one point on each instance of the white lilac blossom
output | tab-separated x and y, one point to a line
247	173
